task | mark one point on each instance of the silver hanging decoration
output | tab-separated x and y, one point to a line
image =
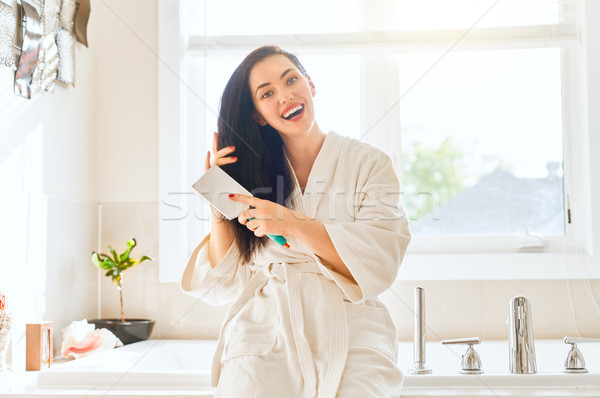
66	57
8	34
81	20
32	34
47	68
74	16
66	41
47	63
68	8
37	40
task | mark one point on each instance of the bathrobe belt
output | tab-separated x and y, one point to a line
336	316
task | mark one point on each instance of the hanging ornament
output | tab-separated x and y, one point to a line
8	36
66	57
81	20
44	75
32	34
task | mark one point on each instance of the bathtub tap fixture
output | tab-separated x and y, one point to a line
521	348
470	361
574	363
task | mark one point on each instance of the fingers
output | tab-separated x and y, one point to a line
215	142
220	155
207	161
254	226
244	217
225	151
247	199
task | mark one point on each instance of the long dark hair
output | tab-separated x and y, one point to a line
261	167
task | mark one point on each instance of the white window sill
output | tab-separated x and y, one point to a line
501	266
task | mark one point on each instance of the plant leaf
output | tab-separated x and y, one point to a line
131	243
102	263
107	264
144	258
114	253
96	259
109	273
129	263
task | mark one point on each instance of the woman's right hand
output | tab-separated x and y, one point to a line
221	157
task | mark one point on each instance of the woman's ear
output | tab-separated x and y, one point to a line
313	89
259	119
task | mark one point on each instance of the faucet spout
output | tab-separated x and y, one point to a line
419	334
521	347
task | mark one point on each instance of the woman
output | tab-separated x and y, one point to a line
305	320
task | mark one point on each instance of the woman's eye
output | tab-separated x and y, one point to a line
267	94
292	80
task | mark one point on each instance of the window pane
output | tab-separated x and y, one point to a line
482	142
259	17
264	17
337	102
444	14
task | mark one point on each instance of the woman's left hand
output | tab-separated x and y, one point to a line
266	217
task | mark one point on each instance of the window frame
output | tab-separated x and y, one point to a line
490	257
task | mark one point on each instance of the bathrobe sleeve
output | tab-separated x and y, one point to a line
373	245
219	285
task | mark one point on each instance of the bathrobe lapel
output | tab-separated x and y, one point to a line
316	184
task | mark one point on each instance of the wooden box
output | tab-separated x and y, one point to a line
39	345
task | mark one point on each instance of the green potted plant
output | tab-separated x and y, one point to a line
127	330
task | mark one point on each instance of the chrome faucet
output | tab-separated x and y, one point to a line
521	348
419	334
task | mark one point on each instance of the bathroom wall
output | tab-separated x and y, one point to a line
55	136
127	129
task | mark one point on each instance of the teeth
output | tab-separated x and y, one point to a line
294	109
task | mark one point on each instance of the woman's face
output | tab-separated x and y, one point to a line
282	95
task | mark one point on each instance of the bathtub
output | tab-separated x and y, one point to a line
181	368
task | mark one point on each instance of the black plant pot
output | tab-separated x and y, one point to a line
130	331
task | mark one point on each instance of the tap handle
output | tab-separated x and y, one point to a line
470	361
577	340
575	363
465	340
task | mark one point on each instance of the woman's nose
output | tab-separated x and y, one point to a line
285	96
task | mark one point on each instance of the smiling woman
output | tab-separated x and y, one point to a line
289	97
336	200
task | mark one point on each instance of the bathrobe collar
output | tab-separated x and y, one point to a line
317	178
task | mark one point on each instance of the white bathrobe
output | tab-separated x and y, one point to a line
297	328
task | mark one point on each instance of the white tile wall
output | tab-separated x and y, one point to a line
71	279
177	315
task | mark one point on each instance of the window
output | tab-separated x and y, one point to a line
475	101
23	226
483	142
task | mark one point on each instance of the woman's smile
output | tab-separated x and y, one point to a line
293	112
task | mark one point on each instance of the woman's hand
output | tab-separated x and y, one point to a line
221	157
267	217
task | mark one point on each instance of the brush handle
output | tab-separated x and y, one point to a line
280	240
